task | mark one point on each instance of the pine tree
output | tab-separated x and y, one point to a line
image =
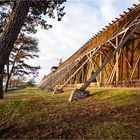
25	48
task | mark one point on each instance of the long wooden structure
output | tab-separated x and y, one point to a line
110	58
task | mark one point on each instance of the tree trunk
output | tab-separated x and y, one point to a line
7	84
7	76
1	83
10	72
10	34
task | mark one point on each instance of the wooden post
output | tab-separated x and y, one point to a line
100	83
127	68
117	61
134	68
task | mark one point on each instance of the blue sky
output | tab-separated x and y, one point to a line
83	19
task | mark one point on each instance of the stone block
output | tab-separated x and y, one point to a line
78	94
57	90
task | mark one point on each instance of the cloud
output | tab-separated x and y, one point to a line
83	19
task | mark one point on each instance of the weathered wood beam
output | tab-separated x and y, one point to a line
134	68
93	65
114	46
126	60
106	57
117	60
101	60
112	74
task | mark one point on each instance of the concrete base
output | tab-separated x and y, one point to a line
78	94
49	90
57	90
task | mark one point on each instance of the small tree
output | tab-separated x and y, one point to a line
30	83
18	82
24	48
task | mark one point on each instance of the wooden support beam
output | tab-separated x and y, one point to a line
134	68
112	44
126	59
117	61
93	66
112	74
106	57
101	78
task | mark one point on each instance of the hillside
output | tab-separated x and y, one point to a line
108	114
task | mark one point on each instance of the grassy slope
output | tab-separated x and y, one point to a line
32	113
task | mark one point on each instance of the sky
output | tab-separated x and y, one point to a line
83	19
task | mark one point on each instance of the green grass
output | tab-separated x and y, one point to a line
113	130
106	114
117	97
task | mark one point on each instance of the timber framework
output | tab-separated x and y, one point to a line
110	58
